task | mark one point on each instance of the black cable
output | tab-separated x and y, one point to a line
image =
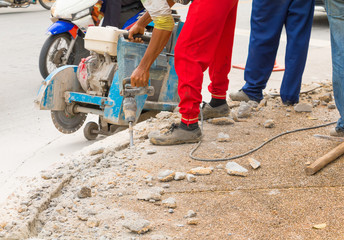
253	150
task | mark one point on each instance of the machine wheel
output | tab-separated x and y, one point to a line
68	123
47	4
91	131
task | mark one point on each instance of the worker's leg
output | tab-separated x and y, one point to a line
298	27
335	13
267	20
112	13
222	60
195	49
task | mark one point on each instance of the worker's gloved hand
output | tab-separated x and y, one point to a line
140	77
136	29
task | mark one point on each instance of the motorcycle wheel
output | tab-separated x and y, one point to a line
47	4
53	50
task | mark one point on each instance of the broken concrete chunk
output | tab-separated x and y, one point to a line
190	178
151	151
223	137
269	123
327	97
139	226
179	176
193	221
201	171
303	107
96	151
235	169
320	226
166	176
190	214
147	195
244	110
253	104
170	203
92	223
221	121
254	163
331	106
84	192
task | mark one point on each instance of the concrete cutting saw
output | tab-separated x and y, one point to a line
100	85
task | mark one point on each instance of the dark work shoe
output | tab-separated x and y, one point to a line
290	103
175	135
337	132
239	96
214	112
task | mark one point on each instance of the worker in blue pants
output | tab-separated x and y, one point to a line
267	20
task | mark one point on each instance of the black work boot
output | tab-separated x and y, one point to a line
214	112
176	135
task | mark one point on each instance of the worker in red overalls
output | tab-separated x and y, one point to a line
206	41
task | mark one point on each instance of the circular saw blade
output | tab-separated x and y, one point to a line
68	123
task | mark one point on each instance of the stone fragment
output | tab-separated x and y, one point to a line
96	151
84	192
190	214
220	166
171	210
223	137
190	178
193	221
322	103
148	195
92	223
263	103
303	107
46	176
254	163
200	171
159	237
269	123
315	103
234	116
320	226
234	168
331	106
221	121
244	110
82	217
179	176
170	203
139	226
327	97
253	104
166	176
151	151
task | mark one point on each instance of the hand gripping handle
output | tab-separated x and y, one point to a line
129	91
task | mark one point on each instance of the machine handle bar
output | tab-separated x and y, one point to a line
144	38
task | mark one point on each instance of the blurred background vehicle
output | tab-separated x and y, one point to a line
26	3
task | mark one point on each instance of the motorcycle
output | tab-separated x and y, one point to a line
71	19
26	3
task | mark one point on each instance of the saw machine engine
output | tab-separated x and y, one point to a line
96	72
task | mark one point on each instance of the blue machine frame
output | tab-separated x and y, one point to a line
62	86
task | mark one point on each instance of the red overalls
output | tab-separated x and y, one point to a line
206	40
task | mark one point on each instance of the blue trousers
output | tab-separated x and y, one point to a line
267	20
335	14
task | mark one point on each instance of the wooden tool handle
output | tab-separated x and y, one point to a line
326	159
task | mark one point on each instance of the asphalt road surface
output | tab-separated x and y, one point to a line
29	141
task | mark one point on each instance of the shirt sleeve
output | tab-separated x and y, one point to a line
161	13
